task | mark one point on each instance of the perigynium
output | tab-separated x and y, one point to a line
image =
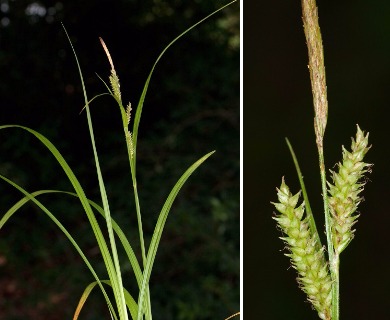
345	191
307	256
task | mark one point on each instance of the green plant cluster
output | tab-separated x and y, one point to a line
221	214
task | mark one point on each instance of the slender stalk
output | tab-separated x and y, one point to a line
318	83
334	260
309	212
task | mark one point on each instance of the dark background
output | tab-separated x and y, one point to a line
192	107
278	104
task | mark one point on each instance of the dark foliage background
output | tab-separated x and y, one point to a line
278	104
192	108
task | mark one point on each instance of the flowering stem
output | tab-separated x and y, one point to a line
318	83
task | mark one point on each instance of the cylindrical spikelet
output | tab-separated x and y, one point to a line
345	189
307	257
115	86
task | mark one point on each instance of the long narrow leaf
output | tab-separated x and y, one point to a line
31	197
81	195
114	273
125	242
145	89
160	227
132	149
309	213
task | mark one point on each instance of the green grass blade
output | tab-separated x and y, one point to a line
81	195
128	249
145	89
11	211
126	245
309	213
133	152
160	227
130	302
114	273
125	242
31	197
95	97
83	299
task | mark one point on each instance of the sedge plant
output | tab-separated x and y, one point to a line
317	265
122	304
